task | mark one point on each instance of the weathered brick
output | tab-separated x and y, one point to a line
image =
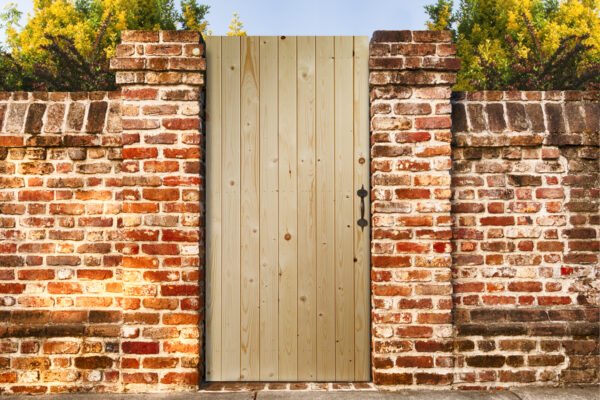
93	362
54	118
459	118
139	36
517	119
75	117
486	361
96	116
391	36
555	118
33	122
495	117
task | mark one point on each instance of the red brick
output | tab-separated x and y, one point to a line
94	274
181	124
64	288
140	94
547	193
414	332
36	248
144	124
415	221
140	262
192	152
179	347
383	261
498	300
67	209
180	319
61	347
141	378
412	193
10	182
414	362
412	247
161	166
180	378
412	137
36	274
160	249
172	235
553	300
179	290
36	195
140	208
134	153
161	194
141	235
423	378
29	389
93	195
380	378
444	122
139	36
140	347
160	362
525	287
497	221
9	377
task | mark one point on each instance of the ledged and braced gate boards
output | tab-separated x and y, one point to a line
287	259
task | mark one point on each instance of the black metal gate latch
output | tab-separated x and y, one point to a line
362	193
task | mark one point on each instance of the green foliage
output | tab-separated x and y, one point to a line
523	44
440	16
154	15
12	75
66	44
193	16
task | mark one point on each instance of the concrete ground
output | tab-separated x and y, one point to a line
582	393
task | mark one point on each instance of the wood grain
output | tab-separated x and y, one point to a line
287	265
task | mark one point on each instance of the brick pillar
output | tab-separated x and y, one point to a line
410	78
162	76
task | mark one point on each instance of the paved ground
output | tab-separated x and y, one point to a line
583	393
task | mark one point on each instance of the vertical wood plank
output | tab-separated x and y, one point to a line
250	239
362	348
307	279
213	210
344	204
325	209
269	210
288	232
231	208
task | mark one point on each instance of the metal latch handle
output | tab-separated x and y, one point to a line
362	193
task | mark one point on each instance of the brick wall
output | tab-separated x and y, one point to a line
485	241
161	77
525	182
60	197
410	76
100	248
485	227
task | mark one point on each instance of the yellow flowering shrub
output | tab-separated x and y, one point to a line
499	40
58	18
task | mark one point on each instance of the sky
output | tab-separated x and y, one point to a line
305	17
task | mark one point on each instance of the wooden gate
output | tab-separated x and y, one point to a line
287	264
